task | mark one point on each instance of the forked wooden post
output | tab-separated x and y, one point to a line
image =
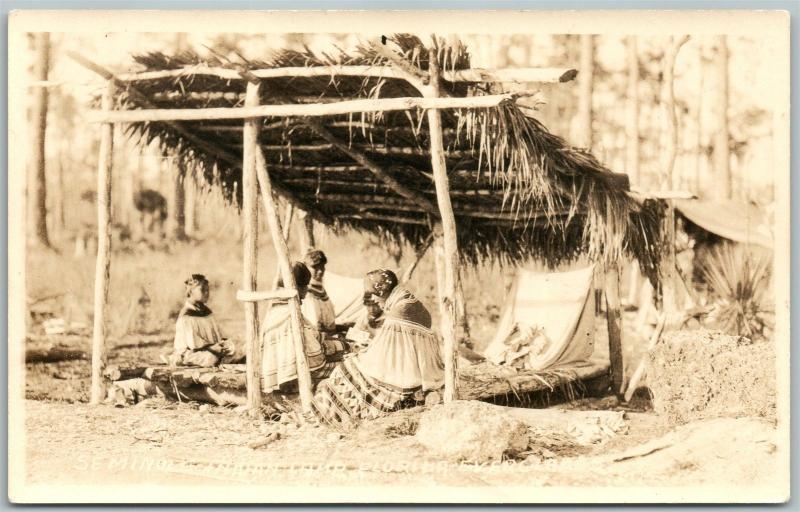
303	373
250	256
449	241
103	262
614	319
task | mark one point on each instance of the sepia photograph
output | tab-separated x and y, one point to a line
398	257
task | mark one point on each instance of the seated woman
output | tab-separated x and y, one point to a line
367	325
317	307
198	341
403	359
279	364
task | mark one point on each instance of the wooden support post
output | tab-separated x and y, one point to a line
448	248
462	322
250	257
307	233
303	373
670	305
102	271
614	319
286	226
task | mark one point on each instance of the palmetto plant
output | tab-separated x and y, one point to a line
738	281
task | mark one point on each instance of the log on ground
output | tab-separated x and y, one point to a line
53	353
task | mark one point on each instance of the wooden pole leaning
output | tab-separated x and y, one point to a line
447	244
287	231
303	373
103	262
614	324
250	255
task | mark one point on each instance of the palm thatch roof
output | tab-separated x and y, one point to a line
518	191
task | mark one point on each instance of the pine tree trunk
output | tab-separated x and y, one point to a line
632	111
184	200
190	205
698	119
722	166
583	128
127	211
37	182
60	210
179	198
672	306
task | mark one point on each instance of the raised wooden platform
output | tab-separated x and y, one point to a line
225	385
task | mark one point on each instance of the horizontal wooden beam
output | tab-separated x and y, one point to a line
380	149
317	168
355	183
293	110
387	218
366	202
379	172
313	182
232	96
515	75
256	296
354	125
212	149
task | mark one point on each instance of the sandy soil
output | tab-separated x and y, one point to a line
157	442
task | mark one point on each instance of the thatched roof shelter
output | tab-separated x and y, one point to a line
395	139
517	190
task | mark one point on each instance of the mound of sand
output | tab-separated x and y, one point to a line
707	374
471	431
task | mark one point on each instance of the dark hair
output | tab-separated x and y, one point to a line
196	279
315	258
302	276
381	282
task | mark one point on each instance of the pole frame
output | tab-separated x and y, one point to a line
304	383
103	261
445	245
250	254
614	325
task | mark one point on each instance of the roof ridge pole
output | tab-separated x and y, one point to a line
446	244
250	253
103	262
303	373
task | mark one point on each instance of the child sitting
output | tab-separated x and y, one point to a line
198	341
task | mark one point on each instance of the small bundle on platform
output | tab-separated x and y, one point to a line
706	374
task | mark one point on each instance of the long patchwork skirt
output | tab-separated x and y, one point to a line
348	396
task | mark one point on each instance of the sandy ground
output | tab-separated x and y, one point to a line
170	443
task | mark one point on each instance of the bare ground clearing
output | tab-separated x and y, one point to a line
157	442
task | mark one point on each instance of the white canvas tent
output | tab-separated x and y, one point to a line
561	304
346	294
